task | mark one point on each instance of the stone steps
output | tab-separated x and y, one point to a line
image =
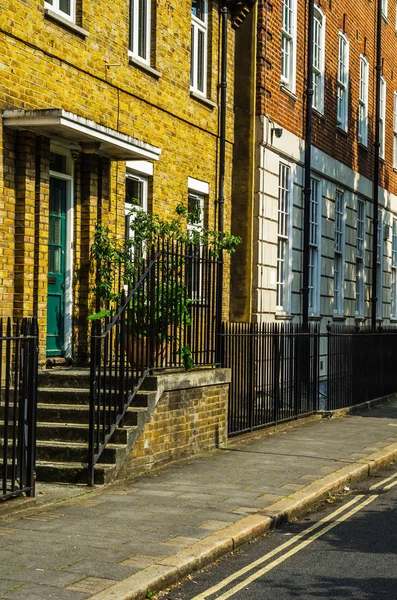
63	431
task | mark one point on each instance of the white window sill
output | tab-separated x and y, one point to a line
133	60
318	114
202	99
57	18
359	319
283	316
341	130
315	317
337	317
284	88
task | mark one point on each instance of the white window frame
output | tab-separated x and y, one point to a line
199	28
339	252
284	237
395	130
384	8
135	33
393	290
191	227
382	117
360	259
129	234
362	127
315	246
379	262
342	82
55	7
288	44
318	59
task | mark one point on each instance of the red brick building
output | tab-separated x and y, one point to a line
269	265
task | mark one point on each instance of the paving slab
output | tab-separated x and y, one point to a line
115	542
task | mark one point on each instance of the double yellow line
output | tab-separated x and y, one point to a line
357	500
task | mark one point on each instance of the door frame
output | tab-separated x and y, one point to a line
68	292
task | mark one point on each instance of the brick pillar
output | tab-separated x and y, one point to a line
31	231
25	172
7	223
86	216
42	205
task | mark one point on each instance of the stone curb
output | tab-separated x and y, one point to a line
172	569
356	408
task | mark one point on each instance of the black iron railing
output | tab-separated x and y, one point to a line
18	401
361	365
166	320
275	373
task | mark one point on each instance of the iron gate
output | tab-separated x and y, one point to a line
18	400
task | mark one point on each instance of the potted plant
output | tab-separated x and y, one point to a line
162	308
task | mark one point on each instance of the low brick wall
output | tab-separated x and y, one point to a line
190	417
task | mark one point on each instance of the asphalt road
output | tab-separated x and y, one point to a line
346	550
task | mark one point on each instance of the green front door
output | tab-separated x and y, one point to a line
56	268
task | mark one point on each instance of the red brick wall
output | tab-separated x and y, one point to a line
358	21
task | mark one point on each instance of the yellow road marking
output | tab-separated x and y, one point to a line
388	487
380	483
277	550
293	551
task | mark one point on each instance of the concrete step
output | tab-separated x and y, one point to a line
77	432
76	413
59	472
76	452
64	378
54	395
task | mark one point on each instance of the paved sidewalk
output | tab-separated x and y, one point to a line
116	542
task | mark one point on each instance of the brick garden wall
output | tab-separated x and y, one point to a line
185	422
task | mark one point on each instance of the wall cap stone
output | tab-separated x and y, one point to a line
183	381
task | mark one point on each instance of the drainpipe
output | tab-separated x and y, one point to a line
375	189
308	146
221	190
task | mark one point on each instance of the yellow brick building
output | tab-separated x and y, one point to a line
97	97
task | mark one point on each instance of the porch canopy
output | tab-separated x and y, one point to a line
81	134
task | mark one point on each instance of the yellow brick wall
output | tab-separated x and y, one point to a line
184	423
45	65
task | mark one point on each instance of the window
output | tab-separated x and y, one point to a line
139	46
363	102
393	292
196	223
283	289
384	8
65	8
338	248
379	275
318	59
360	259
382	116
395	131
314	247
136	193
343	82
288	44
198	66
